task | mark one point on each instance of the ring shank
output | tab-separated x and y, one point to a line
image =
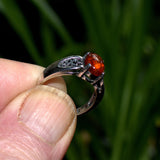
54	70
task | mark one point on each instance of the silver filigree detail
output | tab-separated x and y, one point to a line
70	62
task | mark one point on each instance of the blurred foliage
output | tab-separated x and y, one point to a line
126	124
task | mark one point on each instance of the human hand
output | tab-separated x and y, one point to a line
37	122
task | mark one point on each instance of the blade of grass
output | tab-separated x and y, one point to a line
48	41
134	61
53	19
117	60
146	123
1	5
18	22
93	12
152	74
96	32
106	30
91	31
115	12
141	97
87	11
101	26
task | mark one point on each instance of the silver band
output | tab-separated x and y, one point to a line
74	65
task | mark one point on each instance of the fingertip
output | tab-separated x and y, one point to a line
17	77
43	114
62	145
58	83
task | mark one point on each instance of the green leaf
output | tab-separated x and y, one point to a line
1	6
48	41
135	53
18	22
53	19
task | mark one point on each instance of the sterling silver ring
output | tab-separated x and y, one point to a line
90	68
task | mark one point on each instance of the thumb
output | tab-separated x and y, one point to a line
37	125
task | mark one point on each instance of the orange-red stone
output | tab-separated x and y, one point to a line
97	65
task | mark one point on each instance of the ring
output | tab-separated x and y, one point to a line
90	68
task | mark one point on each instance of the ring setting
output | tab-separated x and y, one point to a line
90	68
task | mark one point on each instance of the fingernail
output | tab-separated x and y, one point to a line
48	112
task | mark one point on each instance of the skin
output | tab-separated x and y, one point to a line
37	121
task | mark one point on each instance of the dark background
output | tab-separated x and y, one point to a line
126	34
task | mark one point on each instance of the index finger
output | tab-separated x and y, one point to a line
16	77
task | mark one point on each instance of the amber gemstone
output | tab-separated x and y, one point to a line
97	65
